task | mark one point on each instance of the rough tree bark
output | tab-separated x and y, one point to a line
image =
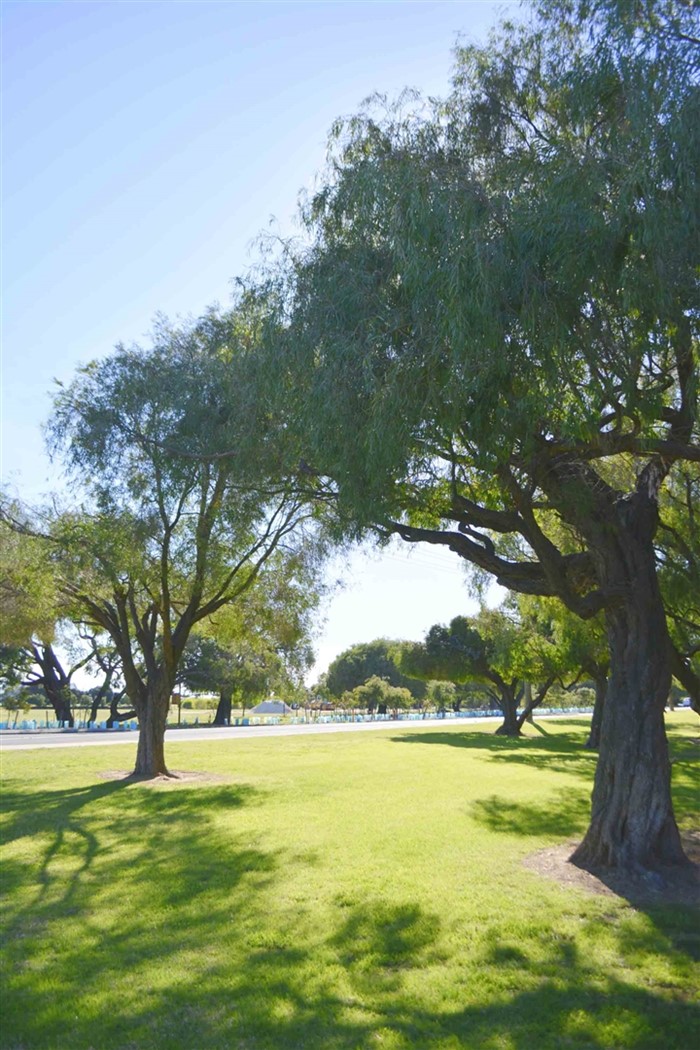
632	823
152	715
55	683
508	703
601	689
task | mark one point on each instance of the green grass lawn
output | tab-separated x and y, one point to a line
338	891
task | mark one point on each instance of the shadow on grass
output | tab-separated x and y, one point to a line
561	817
566	815
276	998
561	752
152	925
157	831
379	941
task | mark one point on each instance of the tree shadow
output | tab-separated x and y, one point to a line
124	898
280	982
273	1000
563	752
152	822
560	752
560	817
378	941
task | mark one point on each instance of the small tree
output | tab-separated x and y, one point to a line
398	699
17	700
492	648
441	696
177	526
373	695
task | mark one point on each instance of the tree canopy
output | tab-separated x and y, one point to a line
495	308
29	599
172	530
354	666
495	648
262	643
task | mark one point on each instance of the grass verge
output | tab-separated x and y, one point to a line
343	892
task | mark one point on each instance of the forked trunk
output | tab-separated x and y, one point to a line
60	703
533	702
150	752
632	827
64	712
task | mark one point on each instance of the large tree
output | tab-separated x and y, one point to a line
498	304
173	530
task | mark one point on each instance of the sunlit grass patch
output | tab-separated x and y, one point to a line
340	892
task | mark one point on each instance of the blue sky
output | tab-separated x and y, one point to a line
144	147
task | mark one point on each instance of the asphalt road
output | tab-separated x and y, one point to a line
13	740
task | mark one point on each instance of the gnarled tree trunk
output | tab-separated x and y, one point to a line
632	823
601	689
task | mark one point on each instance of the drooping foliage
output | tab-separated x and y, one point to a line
263	642
29	600
187	492
496	310
678	555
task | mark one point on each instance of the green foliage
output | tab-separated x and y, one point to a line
29	600
498	297
397	698
495	645
489	341
678	554
441	696
372	694
576	647
15	664
457	653
244	674
366	660
190	501
376	694
17	701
